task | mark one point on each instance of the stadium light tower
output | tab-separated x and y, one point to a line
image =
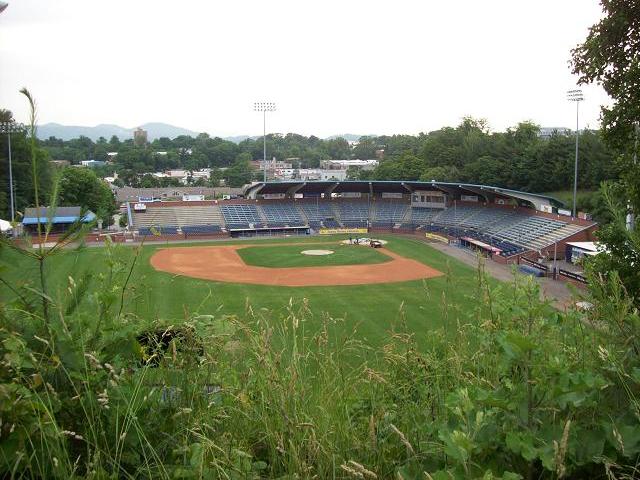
9	128
264	107
575	96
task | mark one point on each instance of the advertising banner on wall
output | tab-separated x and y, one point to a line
333	231
437	238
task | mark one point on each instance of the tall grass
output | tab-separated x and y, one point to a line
513	388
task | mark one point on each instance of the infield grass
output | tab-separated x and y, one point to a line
371	310
292	256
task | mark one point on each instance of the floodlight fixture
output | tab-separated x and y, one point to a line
575	95
12	127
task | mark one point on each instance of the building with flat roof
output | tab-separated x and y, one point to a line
345	164
61	218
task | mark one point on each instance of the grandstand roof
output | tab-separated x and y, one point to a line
393	186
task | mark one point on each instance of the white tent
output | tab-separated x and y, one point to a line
5	226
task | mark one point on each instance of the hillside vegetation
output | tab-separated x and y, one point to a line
505	387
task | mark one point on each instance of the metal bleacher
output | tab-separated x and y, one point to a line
455	215
485	217
423	216
201	229
353	213
525	230
281	214
179	216
386	212
319	214
240	216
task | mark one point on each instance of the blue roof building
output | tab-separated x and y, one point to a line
61	218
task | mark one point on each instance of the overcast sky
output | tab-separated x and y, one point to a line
332	66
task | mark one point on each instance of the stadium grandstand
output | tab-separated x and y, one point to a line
501	221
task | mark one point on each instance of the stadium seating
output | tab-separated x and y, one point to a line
390	212
455	215
319	212
282	214
483	217
524	229
179	216
351	212
423	216
158	230
201	229
240	216
330	223
154	216
508	229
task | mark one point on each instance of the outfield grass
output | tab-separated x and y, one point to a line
291	255
370	309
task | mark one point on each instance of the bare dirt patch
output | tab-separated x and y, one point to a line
223	264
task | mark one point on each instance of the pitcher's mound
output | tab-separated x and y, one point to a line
316	252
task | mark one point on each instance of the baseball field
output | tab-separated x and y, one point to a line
360	287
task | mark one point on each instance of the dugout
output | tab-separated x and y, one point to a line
266	231
477	245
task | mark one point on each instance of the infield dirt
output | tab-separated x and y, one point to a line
223	264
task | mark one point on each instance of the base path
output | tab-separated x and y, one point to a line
223	264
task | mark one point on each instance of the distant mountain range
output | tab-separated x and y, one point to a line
154	130
67	132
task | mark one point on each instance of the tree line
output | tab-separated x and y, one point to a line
518	158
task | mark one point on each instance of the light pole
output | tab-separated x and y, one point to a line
9	128
575	96
264	107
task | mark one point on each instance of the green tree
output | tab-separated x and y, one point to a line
609	57
81	187
240	173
